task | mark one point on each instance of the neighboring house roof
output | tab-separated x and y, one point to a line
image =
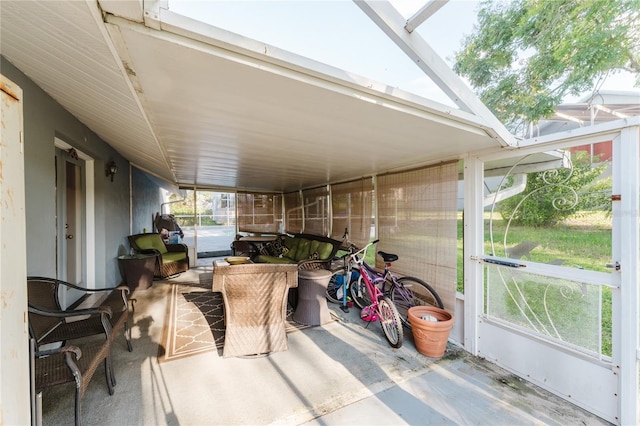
198	105
600	107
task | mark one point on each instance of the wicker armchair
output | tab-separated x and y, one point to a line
71	364
171	259
255	306
43	293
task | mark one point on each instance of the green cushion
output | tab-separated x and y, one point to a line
173	256
292	244
320	250
299	249
272	259
324	250
151	241
313	248
304	247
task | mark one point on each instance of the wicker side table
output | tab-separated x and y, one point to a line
137	270
312	306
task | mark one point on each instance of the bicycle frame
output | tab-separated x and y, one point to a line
402	293
376	278
385	281
370	276
380	307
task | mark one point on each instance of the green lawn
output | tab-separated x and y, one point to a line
582	241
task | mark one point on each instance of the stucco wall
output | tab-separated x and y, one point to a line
44	120
147	201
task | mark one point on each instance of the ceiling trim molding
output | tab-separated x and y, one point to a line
112	42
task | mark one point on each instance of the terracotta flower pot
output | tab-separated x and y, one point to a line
430	337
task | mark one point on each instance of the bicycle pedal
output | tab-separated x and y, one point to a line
345	309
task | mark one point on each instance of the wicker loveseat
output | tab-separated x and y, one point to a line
171	259
305	250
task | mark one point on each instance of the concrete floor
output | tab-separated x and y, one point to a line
340	373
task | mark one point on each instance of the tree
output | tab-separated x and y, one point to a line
552	196
526	56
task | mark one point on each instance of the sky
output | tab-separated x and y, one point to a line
338	33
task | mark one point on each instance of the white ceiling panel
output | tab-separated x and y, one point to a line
225	111
63	47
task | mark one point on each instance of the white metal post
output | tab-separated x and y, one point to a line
473	247
626	349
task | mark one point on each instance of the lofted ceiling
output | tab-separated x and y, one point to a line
198	105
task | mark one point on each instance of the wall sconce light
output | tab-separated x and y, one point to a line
112	169
72	153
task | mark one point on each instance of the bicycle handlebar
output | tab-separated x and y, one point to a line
353	249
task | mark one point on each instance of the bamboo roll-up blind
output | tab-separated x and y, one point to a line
259	213
293	212
417	221
352	209
316	211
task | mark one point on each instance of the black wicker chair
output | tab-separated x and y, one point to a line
43	293
71	364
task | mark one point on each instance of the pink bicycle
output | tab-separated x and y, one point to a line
381	307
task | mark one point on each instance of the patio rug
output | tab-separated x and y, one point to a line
194	321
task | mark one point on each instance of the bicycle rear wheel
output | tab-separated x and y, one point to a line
408	292
359	293
390	322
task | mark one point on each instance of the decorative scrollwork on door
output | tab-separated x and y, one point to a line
547	306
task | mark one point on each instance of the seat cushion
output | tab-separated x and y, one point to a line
322	249
174	256
151	241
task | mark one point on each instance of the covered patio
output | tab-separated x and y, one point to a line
116	102
339	373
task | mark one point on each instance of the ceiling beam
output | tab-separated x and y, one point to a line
391	22
424	13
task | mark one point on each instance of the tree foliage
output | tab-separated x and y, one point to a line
182	207
525	56
552	196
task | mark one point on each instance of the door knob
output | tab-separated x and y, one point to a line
69	237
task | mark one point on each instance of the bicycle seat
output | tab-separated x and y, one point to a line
388	257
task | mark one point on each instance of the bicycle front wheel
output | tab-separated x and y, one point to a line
390	321
408	292
336	291
359	292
